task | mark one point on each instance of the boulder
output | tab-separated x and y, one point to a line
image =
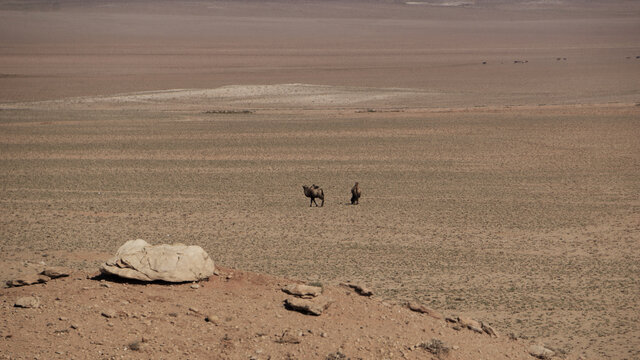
138	260
303	291
414	306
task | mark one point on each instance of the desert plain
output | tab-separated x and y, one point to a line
497	144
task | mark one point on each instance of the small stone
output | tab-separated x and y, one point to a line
489	330
195	286
424	310
135	345
303	291
288	338
309	307
27	302
359	289
109	313
324	334
212	319
62	318
540	352
55	272
105	285
195	310
451	319
74	326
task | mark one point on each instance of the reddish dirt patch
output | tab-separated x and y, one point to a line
83	318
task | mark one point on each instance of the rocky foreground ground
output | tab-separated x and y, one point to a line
232	315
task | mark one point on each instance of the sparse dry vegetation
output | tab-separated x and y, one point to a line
437	348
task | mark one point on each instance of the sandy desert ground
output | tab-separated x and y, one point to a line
504	191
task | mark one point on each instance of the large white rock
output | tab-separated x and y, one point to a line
138	260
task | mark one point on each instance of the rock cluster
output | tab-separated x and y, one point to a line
44	276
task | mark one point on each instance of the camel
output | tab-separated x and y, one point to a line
355	194
313	192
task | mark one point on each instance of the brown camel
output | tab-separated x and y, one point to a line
355	194
313	192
